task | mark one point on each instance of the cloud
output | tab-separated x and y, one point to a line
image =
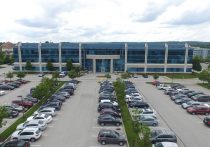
192	18
154	9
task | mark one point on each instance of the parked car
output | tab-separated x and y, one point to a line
31	99
2	92
41	75
110	102
206	121
44	117
161	135
108	105
183	100
6	87
32	124
108	120
12	113
31	134
148	112
137	104
149	121
201	98
52	104
165	144
190	104
106	136
200	109
47	110
26	104
110	112
16	143
15	107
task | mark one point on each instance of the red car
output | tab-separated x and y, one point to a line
26	104
200	109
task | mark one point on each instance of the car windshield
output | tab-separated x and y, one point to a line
46	116
38	131
190	102
116	134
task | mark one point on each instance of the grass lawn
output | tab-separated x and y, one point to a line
182	76
205	85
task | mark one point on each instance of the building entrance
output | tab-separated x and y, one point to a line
103	65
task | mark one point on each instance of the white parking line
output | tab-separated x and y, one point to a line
50	126
35	145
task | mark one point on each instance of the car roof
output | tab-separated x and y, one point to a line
168	144
30	129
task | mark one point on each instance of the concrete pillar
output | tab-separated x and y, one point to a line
94	66
20	56
126	56
60	59
80	54
40	56
186	57
166	57
111	66
145	58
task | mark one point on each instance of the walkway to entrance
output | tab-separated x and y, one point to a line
103	63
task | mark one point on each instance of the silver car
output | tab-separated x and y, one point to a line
149	121
190	104
32	124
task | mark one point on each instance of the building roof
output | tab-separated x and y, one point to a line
7	45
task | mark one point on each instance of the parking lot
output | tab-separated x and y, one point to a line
190	130
76	123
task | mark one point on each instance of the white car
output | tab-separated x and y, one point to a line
109	101
163	87
31	134
32	124
2	92
136	95
131	99
148	112
48	110
165	144
182	89
44	117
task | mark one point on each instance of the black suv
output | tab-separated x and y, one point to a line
110	137
16	143
108	119
137	104
161	135
108	105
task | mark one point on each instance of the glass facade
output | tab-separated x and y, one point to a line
29	52
176	53
70	51
49	52
156	53
136	53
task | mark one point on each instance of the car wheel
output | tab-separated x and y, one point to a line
207	113
121	143
193	113
103	142
154	124
32	139
117	124
102	124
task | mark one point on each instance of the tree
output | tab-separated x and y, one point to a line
21	75
72	74
155	76
49	66
55	75
196	64
3	114
204	75
28	65
69	65
9	75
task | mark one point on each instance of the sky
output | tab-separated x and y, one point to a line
104	20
